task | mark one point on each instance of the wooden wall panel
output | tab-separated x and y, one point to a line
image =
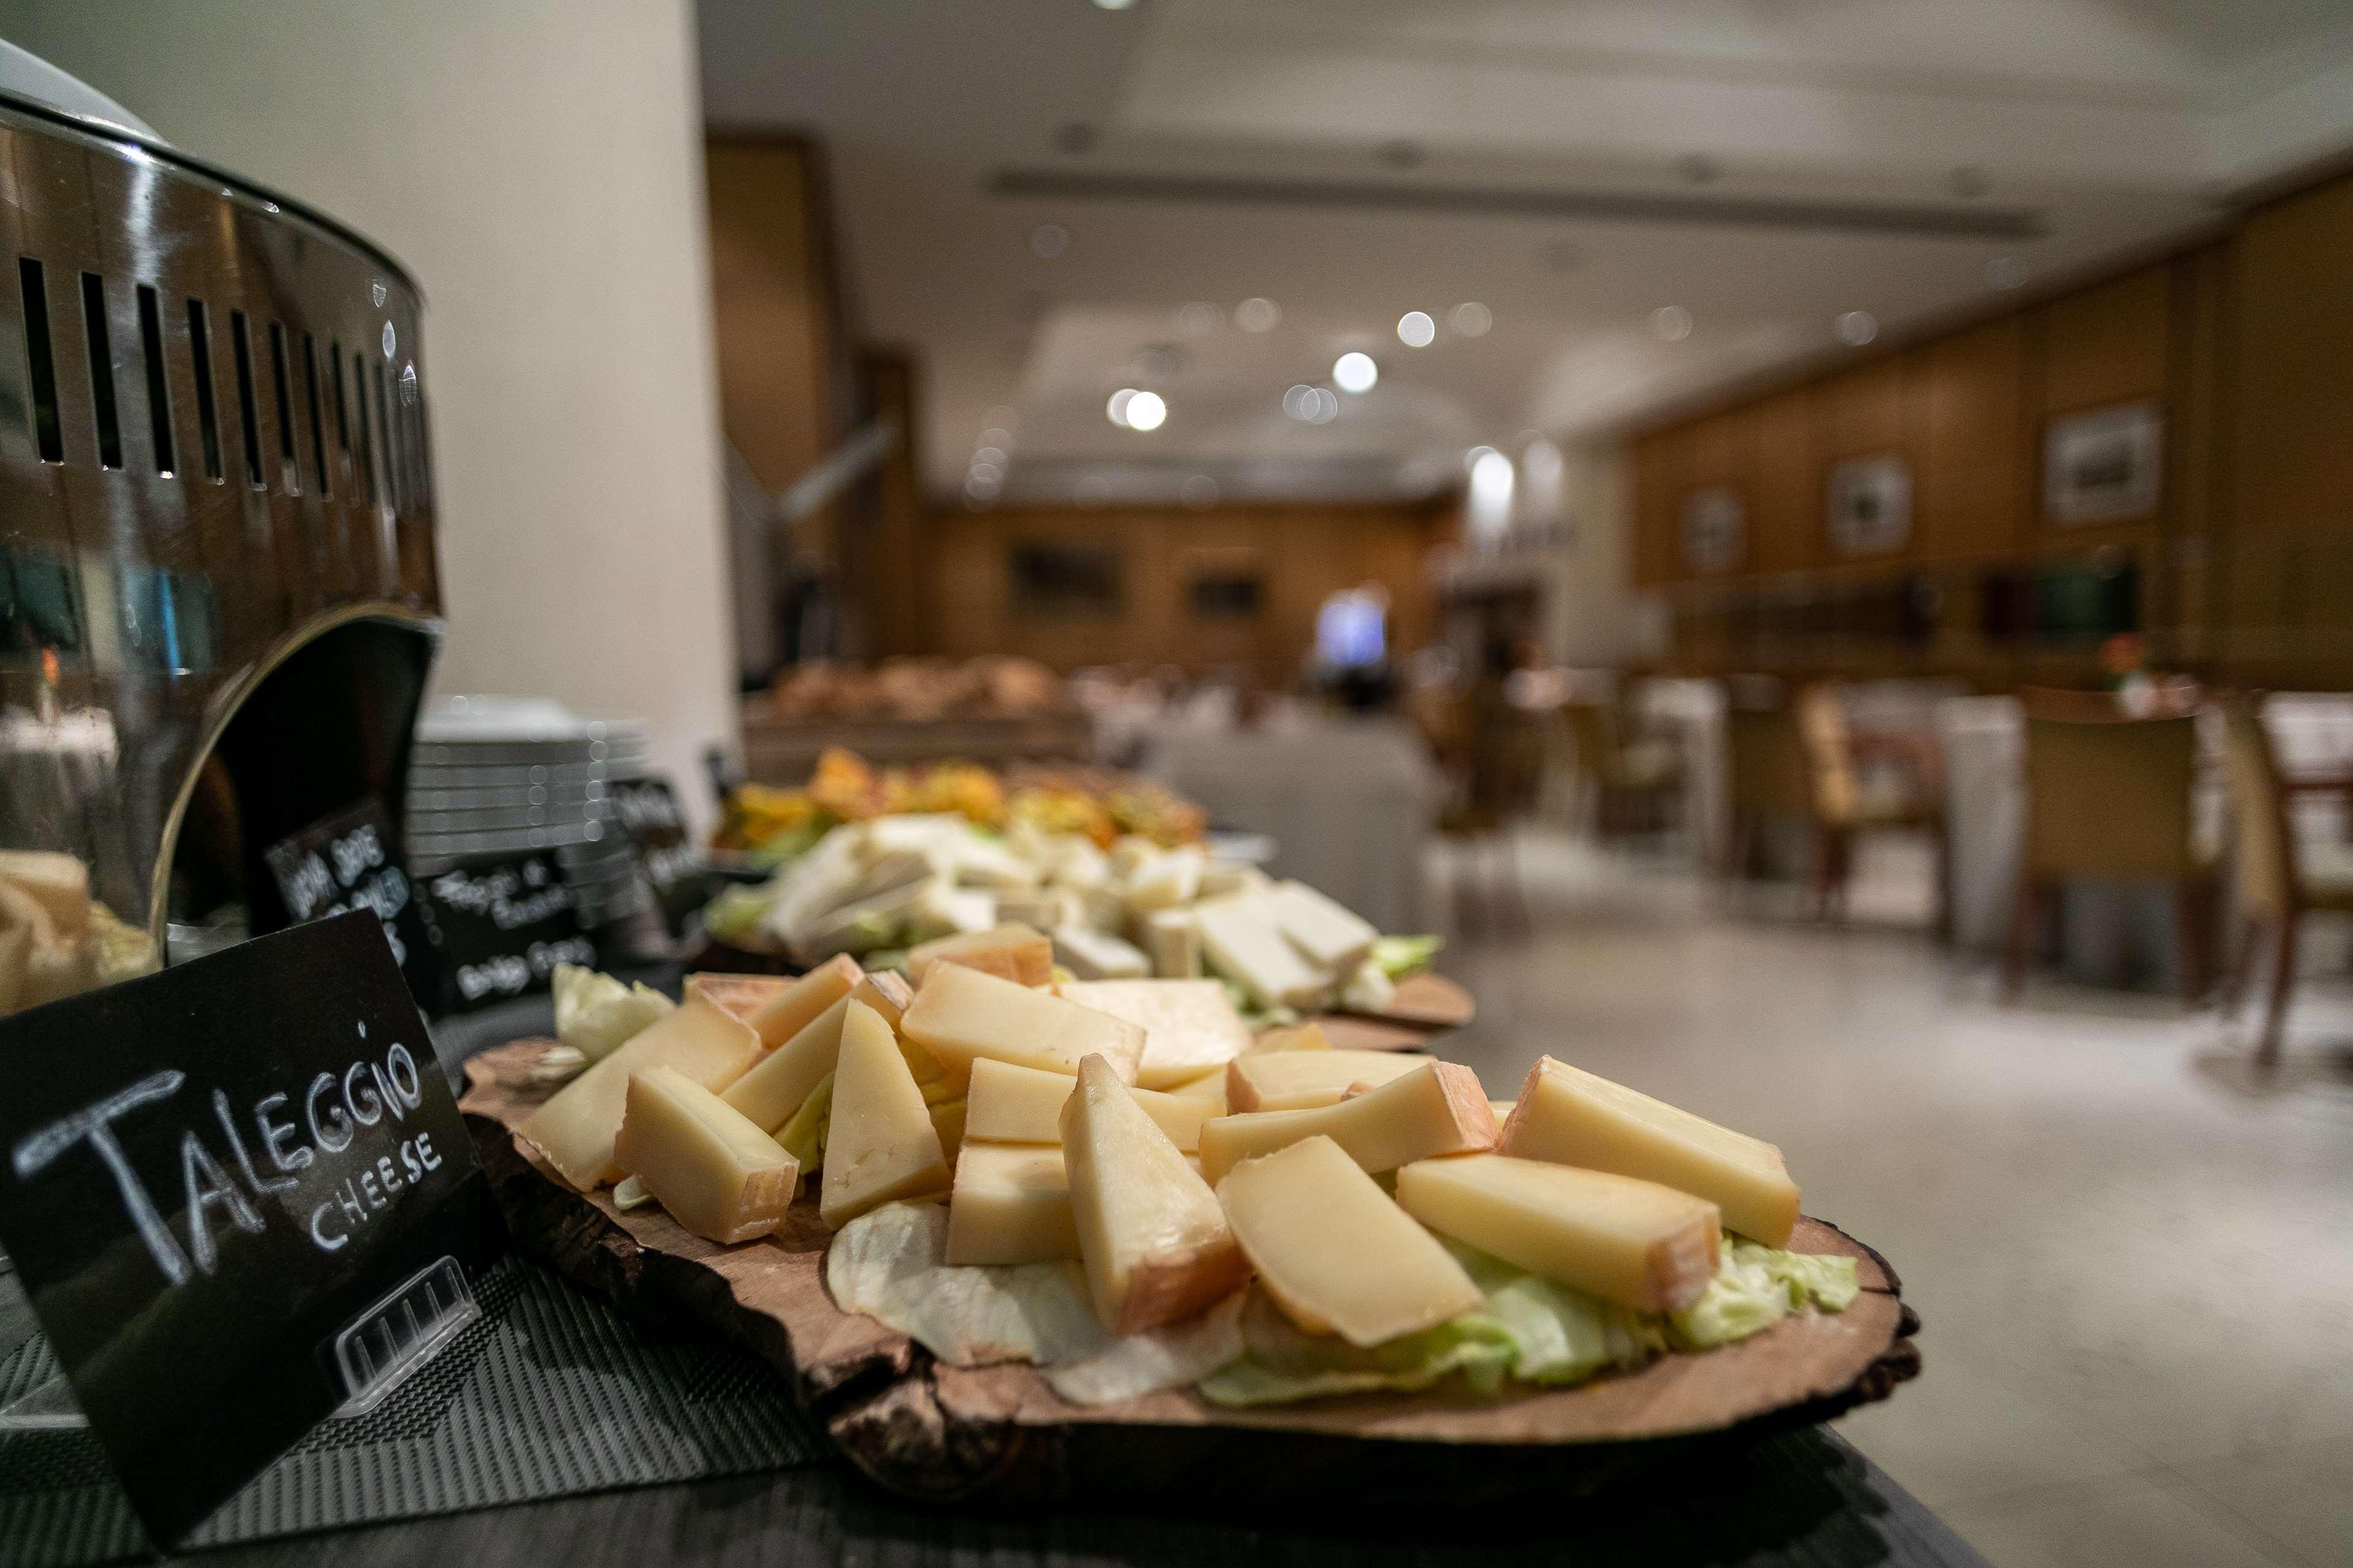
1975	467
1785	521
1660	480
2291	390
2108	344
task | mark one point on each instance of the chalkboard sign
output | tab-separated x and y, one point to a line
207	1175
668	858
502	927
349	861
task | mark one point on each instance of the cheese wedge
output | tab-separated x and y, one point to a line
1300	1080
775	1086
1572	1118
881	1144
1328	934
1014	953
58	882
887	994
1297	1038
1241	941
1012	1104
1173	943
1503	1110
576	1129
1011	1205
1437	1108
1154	1238
1166	880
1334	1253
718	1176
947	1121
1626	1240
791	1010
1041	909
1094	954
1210	1089
1189	1026
961	1015
1130	853
1223	878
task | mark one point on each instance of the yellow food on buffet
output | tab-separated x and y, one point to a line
1359	1221
56	941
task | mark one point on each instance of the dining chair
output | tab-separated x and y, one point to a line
2278	881
1626	780
1764	778
1845	801
2108	797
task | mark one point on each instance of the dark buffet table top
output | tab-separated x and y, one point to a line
1804	1500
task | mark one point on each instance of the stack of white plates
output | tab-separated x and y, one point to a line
498	776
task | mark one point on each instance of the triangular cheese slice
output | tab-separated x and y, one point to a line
881	1145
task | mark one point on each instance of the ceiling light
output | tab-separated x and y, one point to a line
990	455
979	489
1326	405
1671	322
1474	457
1472	319
1415	329
1300	402
1116	409
1049	240
1146	411
1114	5
987	473
1199	318
1199	490
2006	272
1353	372
1256	315
1858	327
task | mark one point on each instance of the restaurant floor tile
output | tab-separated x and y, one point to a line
2130	1255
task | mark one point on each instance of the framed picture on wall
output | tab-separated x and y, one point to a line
1870	506
1714	529
2103	465
1054	581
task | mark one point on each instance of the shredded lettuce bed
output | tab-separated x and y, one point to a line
1531	1331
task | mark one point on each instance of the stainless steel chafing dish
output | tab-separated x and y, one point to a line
219	595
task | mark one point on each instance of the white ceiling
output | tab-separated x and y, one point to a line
1765	164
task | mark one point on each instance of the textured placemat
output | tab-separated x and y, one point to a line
549	1393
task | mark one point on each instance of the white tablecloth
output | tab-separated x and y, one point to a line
1349	804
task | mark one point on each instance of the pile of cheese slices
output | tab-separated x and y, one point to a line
1135	1134
54	939
1138	911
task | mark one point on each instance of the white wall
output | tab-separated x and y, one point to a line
538	165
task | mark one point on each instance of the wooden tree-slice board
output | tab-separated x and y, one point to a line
1001	1435
1427	1000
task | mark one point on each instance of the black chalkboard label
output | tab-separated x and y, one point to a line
206	1175
502	927
668	859
351	861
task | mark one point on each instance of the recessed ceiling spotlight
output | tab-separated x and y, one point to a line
1472	319
1114	5
985	473
1256	315
1116	409
1146	411
1699	168
990	454
1199	318
980	489
1415	328
2006	272
1300	402
1969	182
1471	459
1049	240
1355	371
1857	327
1199	491
1671	322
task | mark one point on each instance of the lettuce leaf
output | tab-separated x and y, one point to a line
1399	956
1283	1362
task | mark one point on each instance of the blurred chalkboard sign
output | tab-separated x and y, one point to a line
348	861
211	1181
669	858
500	927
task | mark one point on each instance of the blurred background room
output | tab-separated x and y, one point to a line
1810	541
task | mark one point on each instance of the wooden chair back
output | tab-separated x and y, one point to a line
1828	756
2107	795
1593	735
1768	776
2266	844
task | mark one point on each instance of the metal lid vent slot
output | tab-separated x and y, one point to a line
241	347
159	390
200	350
291	469
41	368
101	371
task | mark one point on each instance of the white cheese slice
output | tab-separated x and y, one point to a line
961	1015
1167	882
1240	940
1173	943
1210	1088
1008	1104
887	994
1222	878
788	1011
1437	1108
881	1144
1014	951
719	1176
1624	1239
1329	935
1012	1204
1098	956
1299	1080
1041	909
978	862
1154	1241
1335	1253
576	1129
1570	1117
772	1090
1293	1038
1130	853
1189	1026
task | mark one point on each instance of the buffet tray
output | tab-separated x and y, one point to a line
999	1435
